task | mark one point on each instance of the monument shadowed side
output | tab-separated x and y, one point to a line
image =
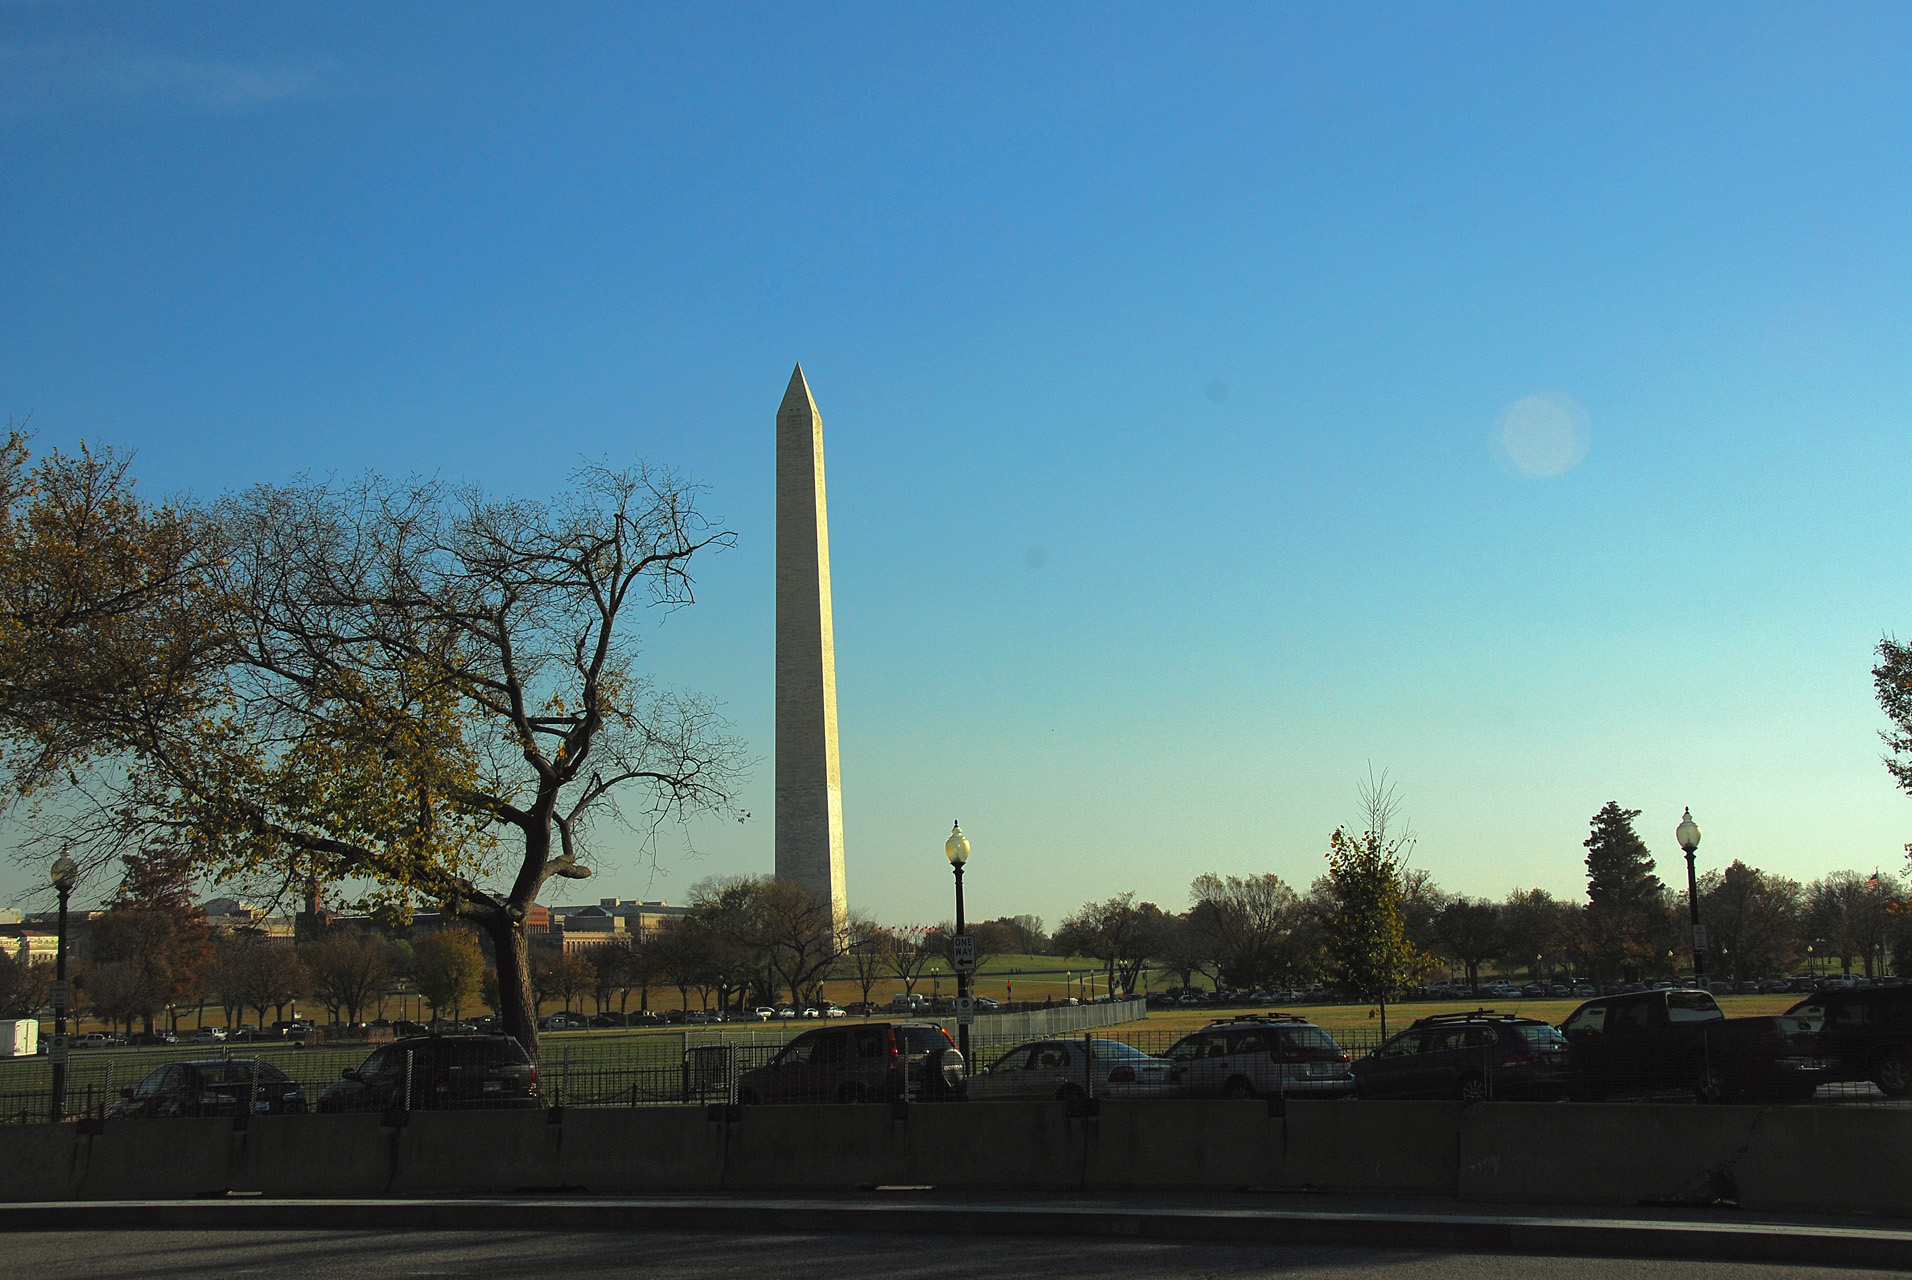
809	790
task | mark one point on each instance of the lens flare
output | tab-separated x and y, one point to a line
1544	434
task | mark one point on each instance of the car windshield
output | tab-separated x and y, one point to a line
1691	1006
1110	1049
1312	1039
238	1071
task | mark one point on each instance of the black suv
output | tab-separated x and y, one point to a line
1868	1030
872	1062
1470	1056
447	1073
1678	1041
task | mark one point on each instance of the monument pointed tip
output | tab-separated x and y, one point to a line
797	397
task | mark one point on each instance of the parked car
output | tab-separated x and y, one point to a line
1868	1031
1061	1069
207	1035
566	1022
1260	1055
455	1072
94	1040
218	1087
872	1062
1470	1056
1659	1041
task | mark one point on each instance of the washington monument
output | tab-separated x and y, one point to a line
809	790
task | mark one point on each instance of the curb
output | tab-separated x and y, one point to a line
1595	1237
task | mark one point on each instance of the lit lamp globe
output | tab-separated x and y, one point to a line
1688	833
65	872
956	848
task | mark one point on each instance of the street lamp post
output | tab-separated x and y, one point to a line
65	873
1688	834
956	849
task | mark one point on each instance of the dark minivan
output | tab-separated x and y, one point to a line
873	1062
1679	1041
1470	1056
446	1073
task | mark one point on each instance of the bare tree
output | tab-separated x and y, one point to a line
435	692
911	949
869	947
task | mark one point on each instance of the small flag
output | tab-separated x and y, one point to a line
1872	881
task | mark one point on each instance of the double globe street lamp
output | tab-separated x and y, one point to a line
1688	834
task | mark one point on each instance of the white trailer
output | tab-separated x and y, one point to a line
19	1037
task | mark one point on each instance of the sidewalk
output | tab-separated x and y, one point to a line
1723	1233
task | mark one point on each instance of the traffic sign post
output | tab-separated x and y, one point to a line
962	953
58	1050
965	1010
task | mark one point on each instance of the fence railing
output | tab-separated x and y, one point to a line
710	1064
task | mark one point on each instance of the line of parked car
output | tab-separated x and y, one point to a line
1644	1043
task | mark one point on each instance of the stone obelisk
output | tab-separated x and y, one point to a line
809	791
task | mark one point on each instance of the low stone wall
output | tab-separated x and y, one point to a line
1774	1158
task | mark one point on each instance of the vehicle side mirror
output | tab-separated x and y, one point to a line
350	1073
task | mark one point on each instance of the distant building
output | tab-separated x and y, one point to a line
27	946
625	921
227	916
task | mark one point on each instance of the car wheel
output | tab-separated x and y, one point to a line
1238	1088
1473	1088
1893	1077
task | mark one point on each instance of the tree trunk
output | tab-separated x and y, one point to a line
514	981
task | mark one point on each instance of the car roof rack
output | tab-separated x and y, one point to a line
1478	1015
1256	1017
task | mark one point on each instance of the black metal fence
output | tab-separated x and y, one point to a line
713	1066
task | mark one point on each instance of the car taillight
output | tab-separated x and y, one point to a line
1121	1075
534	1080
1346	1057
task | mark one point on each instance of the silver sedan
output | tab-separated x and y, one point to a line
1062	1069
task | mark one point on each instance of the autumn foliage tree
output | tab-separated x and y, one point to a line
448	965
1370	955
434	694
110	626
152	947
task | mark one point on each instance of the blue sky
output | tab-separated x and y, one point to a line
1167	359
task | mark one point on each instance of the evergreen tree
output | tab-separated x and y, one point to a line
1629	924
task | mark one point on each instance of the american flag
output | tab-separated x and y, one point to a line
1872	881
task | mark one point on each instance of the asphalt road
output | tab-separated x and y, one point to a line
353	1255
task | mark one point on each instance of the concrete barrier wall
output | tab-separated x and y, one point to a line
1600	1154
40	1162
157	1159
1217	1145
1833	1160
1774	1158
643	1149
330	1155
1408	1148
